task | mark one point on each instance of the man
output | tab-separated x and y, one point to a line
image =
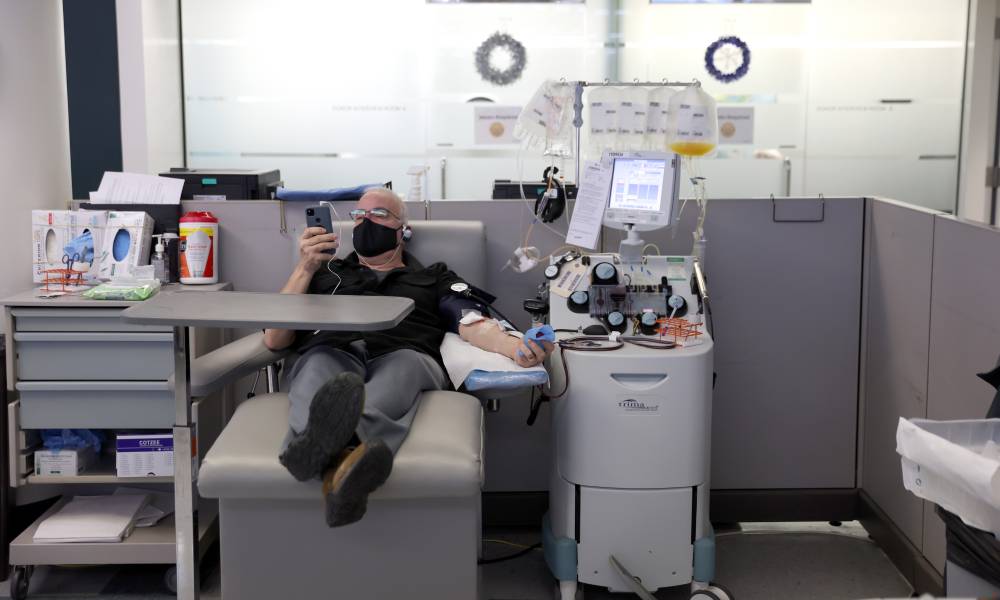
352	395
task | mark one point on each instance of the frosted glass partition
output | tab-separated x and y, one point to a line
855	98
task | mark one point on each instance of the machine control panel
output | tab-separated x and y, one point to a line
633	299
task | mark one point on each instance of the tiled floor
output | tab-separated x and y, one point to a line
799	561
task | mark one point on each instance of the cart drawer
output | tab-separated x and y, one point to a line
95	404
94	356
75	319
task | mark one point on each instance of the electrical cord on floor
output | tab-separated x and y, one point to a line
518	554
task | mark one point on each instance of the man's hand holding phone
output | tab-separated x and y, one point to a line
316	248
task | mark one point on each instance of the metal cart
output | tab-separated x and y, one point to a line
72	363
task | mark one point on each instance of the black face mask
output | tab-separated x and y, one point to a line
372	239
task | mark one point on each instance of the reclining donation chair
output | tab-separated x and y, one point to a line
420	538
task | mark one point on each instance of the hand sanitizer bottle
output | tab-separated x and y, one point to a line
161	270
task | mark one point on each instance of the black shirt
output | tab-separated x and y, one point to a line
421	330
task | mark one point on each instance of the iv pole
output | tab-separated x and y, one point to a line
632	242
578	102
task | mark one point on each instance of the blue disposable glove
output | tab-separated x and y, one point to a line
81	246
542	333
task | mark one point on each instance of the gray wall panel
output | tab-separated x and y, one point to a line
785	407
934	547
965	334
965	318
255	256
900	252
787	312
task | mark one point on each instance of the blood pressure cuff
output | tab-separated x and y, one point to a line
453	307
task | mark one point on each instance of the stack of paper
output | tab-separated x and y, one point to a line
136	188
160	505
92	519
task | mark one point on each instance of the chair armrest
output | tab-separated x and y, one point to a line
233	361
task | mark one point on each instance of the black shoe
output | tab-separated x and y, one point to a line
358	472
333	417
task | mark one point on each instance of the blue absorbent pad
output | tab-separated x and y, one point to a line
493	380
330	195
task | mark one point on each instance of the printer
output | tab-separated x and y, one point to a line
228	184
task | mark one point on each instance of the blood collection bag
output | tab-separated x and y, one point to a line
602	115
693	125
656	118
546	122
632	107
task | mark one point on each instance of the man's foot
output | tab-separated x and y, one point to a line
333	417
358	472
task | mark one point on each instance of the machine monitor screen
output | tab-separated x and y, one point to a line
642	191
636	183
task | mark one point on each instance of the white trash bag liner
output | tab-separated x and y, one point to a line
955	464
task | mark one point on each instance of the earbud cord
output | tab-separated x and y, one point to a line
362	260
340	236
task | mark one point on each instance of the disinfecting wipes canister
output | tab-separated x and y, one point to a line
199	248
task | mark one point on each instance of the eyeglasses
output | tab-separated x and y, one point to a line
379	213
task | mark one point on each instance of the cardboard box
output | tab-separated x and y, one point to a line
65	462
145	455
50	231
126	243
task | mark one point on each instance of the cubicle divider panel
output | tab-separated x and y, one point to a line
900	243
255	254
785	280
965	334
786	401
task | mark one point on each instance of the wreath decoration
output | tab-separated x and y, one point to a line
732	54
518	56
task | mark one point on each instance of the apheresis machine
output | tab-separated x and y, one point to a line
631	398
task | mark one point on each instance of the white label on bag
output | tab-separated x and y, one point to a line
692	122
656	118
603	118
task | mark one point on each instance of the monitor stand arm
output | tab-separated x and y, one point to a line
630	249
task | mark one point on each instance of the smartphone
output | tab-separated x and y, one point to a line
319	216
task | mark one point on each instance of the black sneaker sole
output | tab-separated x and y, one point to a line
333	416
349	502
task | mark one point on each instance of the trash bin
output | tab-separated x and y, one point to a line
973	559
954	464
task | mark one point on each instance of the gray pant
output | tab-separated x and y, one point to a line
392	383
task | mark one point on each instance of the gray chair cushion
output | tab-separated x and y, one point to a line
459	244
441	457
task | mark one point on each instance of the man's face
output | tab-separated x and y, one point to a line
377	205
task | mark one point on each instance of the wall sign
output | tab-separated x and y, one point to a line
735	125
495	124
